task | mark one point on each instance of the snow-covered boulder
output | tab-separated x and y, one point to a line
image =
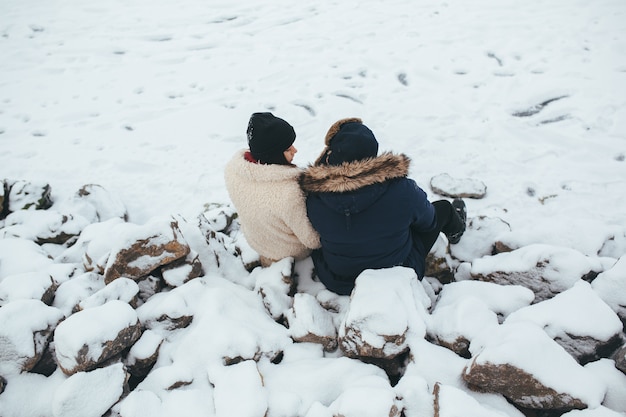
276	286
520	361
28	286
123	289
445	185
26	195
139	250
90	394
70	293
546	270
386	306
437	364
88	338
230	325
501	299
235	382
21	255
439	263
481	238
165	310
605	370
95	202
455	325
93	245
611	287
182	270
578	320
620	359
220	217
220	253
326	380
466	308
143	354
26	327
44	226
310	322
371	395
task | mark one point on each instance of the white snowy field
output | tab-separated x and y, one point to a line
150	99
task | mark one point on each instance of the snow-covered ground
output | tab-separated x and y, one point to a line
149	99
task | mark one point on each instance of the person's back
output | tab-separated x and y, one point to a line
369	226
262	184
368	213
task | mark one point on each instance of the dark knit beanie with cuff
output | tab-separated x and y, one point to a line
269	137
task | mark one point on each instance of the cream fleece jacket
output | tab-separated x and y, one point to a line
271	208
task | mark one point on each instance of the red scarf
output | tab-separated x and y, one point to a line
248	157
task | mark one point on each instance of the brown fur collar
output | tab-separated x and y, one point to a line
351	176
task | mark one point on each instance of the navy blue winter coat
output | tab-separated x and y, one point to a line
367	214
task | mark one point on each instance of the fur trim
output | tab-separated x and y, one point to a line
351	176
337	126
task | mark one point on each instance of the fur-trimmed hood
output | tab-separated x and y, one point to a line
351	176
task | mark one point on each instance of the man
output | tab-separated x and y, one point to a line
367	212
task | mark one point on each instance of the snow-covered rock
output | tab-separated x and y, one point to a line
139	250
445	185
605	370
70	293
480	238
611	287
88	338
578	320
27	195
26	327
546	270
44	226
520	361
95	202
182	270
28	286
327	379
165	310
143	354
276	286
465	308
90	394
21	255
93	245
620	359
239	390
310	322
386	307
123	289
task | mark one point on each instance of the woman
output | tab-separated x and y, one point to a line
263	185
367	212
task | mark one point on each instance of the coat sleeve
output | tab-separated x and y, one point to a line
297	220
424	218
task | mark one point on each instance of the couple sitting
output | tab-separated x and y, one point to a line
350	211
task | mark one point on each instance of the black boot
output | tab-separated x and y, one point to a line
461	211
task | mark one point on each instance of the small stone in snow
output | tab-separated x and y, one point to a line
445	185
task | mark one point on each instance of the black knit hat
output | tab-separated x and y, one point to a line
349	140
268	137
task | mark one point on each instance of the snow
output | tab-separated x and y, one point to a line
147	101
